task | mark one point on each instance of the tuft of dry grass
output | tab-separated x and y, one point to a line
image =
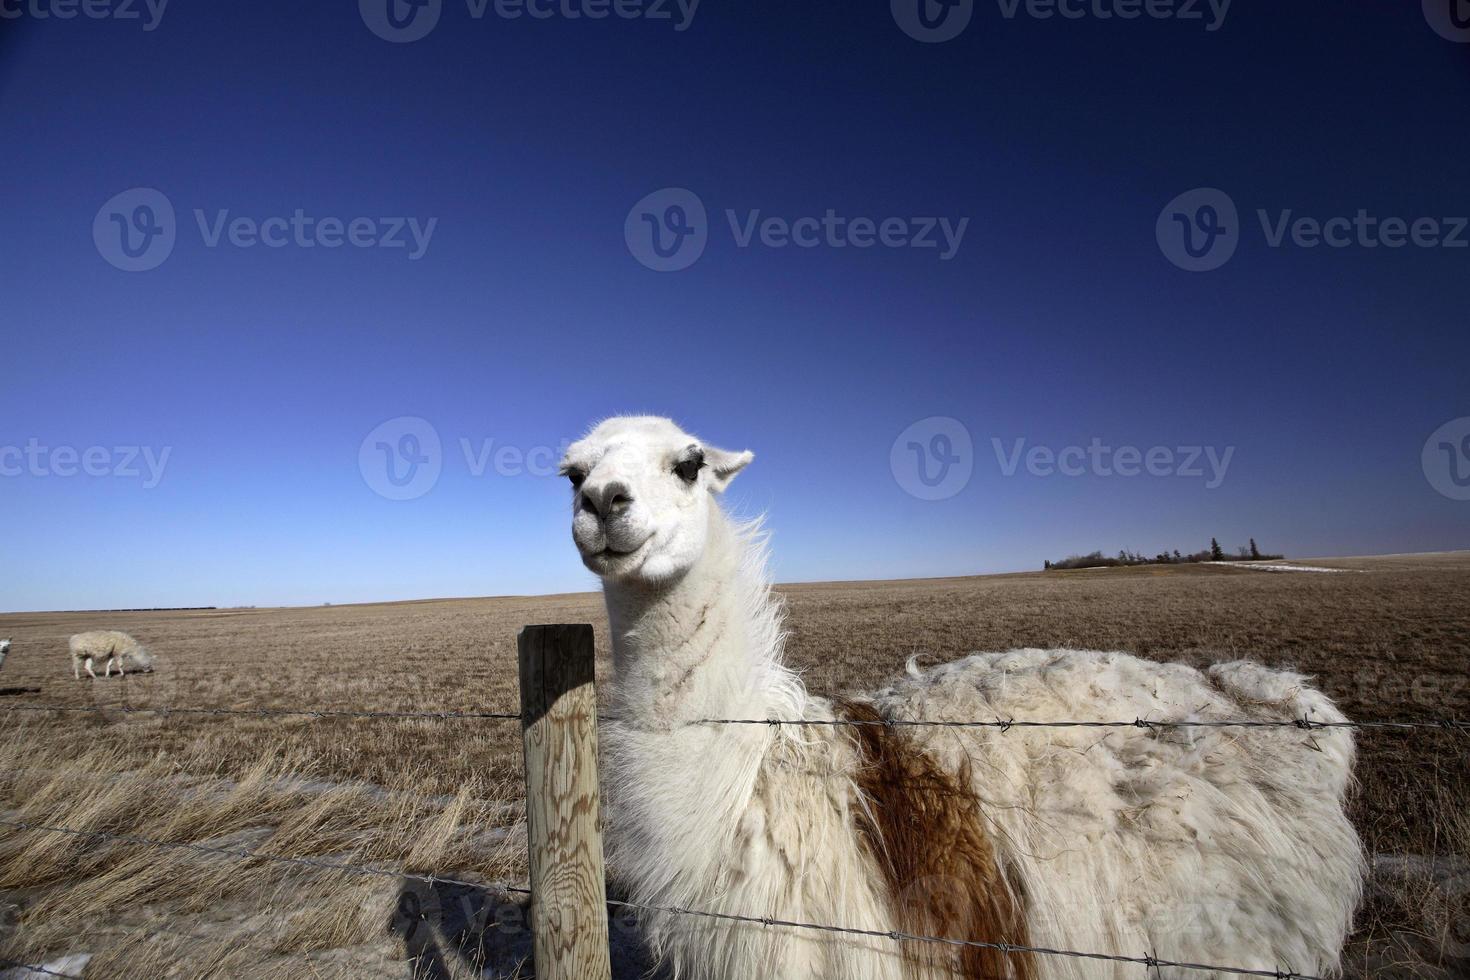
222	915
444	796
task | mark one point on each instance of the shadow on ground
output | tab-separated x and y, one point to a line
452	931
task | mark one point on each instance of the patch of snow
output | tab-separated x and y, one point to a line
70	965
1266	567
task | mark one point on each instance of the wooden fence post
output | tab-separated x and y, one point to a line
563	813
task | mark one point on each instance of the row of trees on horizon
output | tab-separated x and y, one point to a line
1214	552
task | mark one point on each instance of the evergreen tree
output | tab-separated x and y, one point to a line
1216	552
1255	552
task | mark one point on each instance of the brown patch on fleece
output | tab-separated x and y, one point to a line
925	829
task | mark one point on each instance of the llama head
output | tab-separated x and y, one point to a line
643	490
4	646
141	660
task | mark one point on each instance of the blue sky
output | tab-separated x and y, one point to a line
1060	318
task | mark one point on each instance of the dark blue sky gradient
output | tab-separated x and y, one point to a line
1059	319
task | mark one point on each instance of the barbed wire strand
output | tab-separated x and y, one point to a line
1304	723
1003	724
268	712
1148	961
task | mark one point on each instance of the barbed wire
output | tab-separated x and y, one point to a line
1304	723
268	712
1146	960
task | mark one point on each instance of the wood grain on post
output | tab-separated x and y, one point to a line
563	814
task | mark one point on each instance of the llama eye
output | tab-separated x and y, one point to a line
576	476
688	469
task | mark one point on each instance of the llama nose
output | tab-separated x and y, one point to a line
605	499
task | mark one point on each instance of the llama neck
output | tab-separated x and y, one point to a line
707	645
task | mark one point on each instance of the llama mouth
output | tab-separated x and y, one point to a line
609	553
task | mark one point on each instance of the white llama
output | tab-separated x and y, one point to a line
4	650
1225	846
113	646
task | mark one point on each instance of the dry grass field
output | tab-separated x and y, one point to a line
1389	638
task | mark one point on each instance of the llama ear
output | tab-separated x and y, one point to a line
723	465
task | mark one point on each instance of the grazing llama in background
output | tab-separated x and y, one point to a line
4	650
111	645
1226	846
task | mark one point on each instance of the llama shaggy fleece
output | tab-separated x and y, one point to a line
109	648
1226	846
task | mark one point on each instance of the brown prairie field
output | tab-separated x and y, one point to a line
1388	638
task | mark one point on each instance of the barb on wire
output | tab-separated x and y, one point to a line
269	712
36	968
1147	960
